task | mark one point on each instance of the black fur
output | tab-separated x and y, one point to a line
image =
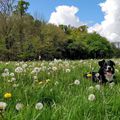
106	67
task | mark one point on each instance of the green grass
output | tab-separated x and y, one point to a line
70	100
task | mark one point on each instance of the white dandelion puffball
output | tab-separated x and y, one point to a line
76	82
54	68
97	74
68	70
36	70
12	74
18	70
24	66
3	105
91	88
91	97
13	79
6	70
15	85
39	106
19	106
98	87
5	74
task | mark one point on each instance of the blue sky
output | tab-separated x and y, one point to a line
89	10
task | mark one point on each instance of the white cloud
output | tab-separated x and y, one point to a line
109	27
65	15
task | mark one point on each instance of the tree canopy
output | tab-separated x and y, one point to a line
22	37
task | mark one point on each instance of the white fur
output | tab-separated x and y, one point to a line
109	78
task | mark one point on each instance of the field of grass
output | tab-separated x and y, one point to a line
56	90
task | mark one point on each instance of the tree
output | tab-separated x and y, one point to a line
21	9
98	46
6	25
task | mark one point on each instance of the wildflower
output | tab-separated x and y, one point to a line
67	70
48	73
76	82
89	75
6	70
19	106
36	70
7	63
12	74
97	74
7	95
97	87
2	106
15	85
9	81
17	64
13	79
24	66
19	70
54	68
39	106
91	88
5	74
91	97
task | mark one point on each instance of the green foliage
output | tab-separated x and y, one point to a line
22	7
24	38
70	100
98	46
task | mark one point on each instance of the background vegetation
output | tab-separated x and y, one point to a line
22	37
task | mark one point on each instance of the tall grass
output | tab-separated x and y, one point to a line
69	100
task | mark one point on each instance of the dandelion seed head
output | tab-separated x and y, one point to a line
91	97
76	82
19	70
2	106
19	106
39	106
97	87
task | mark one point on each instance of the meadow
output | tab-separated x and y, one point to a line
56	90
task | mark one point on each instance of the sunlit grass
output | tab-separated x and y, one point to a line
55	80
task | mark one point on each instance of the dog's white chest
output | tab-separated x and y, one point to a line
109	78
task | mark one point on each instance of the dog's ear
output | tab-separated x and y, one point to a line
112	63
101	63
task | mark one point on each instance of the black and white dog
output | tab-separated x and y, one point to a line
105	74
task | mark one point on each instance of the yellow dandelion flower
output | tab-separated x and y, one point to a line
7	95
89	75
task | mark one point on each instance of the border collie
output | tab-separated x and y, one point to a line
105	74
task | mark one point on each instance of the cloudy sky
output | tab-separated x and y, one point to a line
102	16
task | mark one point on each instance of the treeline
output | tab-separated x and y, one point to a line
22	37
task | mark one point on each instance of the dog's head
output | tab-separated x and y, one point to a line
107	69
